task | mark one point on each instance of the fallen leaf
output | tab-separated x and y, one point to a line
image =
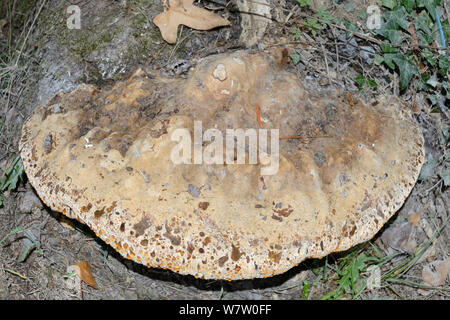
400	237
436	278
185	13
83	270
350	99
374	279
414	218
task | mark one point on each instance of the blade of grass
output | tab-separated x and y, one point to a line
16	273
411	261
17	230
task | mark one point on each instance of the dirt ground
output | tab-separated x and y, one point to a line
54	60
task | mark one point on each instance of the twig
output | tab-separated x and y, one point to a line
326	62
304	137
258	116
165	4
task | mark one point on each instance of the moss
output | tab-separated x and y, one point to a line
110	41
147	35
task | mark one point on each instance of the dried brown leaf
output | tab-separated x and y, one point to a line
400	237
85	274
414	218
185	13
436	278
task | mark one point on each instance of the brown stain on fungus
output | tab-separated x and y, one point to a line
203	205
173	239
99	213
235	253
87	208
222	260
142	226
275	257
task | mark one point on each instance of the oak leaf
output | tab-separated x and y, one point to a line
185	13
83	270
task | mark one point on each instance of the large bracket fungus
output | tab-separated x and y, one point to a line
103	157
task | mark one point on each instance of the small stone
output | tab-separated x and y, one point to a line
29	202
193	191
367	53
220	73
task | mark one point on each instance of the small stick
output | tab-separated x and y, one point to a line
165	4
304	137
258	116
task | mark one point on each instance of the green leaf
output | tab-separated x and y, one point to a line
427	170
305	290
433	81
398	18
395	20
377	59
422	83
390	32
296	33
446	134
389	3
388	49
423	22
408	4
432	98
445	174
444	63
323	15
305	3
430	5
429	56
312	25
389	61
362	81
295	57
407	69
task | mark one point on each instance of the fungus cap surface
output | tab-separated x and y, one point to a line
103	156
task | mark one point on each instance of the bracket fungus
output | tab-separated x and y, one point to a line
103	157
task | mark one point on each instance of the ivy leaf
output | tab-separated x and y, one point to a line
433	99
398	18
444	65
445	174
429	56
408	4
388	49
406	67
430	5
422	22
395	20
391	33
377	59
388	3
388	60
433	81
